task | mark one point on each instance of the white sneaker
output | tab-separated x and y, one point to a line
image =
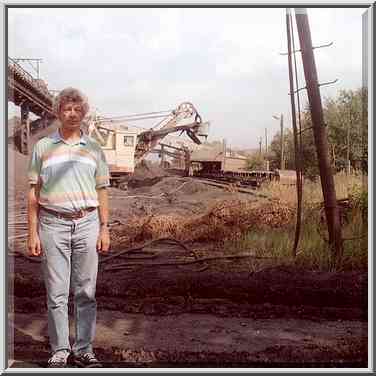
58	359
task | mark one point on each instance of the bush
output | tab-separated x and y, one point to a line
358	197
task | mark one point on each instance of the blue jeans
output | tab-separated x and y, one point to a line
70	258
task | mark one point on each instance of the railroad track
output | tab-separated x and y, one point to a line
244	178
228	182
230	186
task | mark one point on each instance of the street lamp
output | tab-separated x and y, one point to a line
282	154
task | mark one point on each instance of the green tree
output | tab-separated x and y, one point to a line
308	148
275	150
343	117
346	119
308	151
256	161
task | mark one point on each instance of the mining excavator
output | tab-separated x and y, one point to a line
125	147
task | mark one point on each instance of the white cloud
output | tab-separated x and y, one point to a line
226	61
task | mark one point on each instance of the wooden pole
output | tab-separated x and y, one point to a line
319	132
282	150
266	150
296	145
348	167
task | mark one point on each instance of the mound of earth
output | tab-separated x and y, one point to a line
175	195
146	174
172	186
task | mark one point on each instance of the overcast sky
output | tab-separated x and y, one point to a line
225	61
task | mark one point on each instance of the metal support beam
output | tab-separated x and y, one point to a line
25	128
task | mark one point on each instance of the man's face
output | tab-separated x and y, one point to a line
71	115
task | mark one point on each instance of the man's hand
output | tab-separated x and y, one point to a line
103	242
33	245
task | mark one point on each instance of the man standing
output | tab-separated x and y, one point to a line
68	225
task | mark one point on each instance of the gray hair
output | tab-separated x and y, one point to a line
70	94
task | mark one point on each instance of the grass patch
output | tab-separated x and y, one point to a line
313	249
345	185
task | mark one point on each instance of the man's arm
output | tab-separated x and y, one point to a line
33	241
103	243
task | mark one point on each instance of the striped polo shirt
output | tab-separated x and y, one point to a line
68	174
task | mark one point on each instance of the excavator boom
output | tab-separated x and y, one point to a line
149	139
125	148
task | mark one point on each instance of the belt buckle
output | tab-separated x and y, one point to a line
81	213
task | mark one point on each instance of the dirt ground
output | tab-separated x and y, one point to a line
166	309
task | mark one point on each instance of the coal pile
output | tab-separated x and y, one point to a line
146	174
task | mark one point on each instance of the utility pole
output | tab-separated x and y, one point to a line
319	132
296	144
260	143
224	155
266	140
266	150
282	162
282	151
348	167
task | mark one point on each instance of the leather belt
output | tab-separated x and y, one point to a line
77	215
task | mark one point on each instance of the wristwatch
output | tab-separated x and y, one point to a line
105	224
